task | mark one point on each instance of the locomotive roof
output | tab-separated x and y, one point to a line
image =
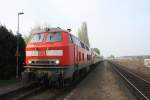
58	29
49	30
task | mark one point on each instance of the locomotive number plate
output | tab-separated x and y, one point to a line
41	53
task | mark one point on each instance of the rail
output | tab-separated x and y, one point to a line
138	86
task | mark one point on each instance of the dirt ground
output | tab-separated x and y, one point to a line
133	64
100	84
137	66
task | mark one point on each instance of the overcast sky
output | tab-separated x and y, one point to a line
119	27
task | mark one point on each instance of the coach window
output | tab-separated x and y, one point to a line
82	45
54	37
83	56
88	57
79	56
87	48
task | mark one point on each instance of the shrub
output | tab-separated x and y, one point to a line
8	44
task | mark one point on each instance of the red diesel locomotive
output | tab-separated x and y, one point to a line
56	54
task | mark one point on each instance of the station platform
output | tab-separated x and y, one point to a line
100	84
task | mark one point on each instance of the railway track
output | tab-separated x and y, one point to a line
21	92
42	93
37	91
136	84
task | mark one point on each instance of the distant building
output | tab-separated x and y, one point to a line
147	62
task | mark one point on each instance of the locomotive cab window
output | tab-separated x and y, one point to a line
54	37
37	38
70	39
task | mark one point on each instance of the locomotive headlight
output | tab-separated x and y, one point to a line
30	61
57	61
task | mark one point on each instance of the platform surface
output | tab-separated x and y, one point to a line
100	84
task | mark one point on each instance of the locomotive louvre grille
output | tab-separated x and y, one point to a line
45	53
41	53
32	53
54	52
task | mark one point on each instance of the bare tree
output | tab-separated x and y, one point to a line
36	28
27	38
83	34
96	50
80	35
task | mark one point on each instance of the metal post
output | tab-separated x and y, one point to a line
17	51
18	25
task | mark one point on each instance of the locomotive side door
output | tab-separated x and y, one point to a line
75	49
76	54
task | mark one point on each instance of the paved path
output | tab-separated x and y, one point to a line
100	84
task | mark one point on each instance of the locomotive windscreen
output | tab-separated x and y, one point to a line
37	38
54	37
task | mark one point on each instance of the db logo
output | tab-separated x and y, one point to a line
41	53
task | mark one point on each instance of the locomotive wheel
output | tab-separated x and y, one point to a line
76	77
83	72
46	82
69	82
60	83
